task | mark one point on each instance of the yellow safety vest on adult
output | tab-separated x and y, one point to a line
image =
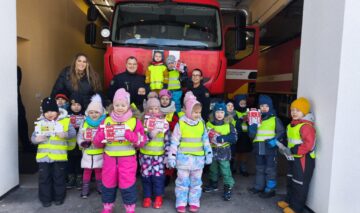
91	150
191	138
222	130
294	138
157	76
120	148
55	148
266	130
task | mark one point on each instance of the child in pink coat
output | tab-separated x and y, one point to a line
119	160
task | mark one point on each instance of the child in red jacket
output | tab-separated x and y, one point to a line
301	136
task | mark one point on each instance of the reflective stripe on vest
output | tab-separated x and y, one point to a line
222	130
244	125
55	147
154	147
91	150
156	76
294	138
120	148
191	139
266	130
174	82
71	144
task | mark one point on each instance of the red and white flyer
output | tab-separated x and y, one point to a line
115	132
152	123
76	120
89	134
254	116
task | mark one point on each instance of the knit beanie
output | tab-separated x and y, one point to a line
152	94
95	105
189	102
120	95
301	104
265	99
49	104
170	59
239	98
76	98
152	102
62	94
165	92
219	106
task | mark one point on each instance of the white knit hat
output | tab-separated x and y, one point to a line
95	105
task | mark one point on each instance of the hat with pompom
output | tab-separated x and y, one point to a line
95	105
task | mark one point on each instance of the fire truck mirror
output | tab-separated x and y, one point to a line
92	13
90	33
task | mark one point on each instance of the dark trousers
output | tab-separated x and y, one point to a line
266	166
108	195
52	181
153	186
298	181
74	161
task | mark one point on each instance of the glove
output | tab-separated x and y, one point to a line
220	139
154	132
41	138
165	86
62	134
85	144
252	130
285	151
171	163
131	136
272	142
208	158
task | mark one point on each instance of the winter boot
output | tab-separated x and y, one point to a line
288	210
158	202
227	193
130	208
107	207
211	187
267	194
78	182
181	209
98	186
282	204
253	190
70	181
193	208
85	190
147	202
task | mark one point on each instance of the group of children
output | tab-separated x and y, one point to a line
165	138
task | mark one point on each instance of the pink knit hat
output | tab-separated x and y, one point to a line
95	105
189	102
121	94
152	102
152	94
165	92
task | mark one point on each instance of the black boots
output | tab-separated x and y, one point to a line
227	193
211	187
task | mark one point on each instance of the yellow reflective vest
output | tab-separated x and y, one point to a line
55	148
294	138
222	130
174	82
155	146
157	76
191	139
120	148
244	125
91	150
266	130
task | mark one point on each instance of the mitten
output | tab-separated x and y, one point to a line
40	138
171	163
154	132
62	134
271	142
208	158
85	144
131	136
220	139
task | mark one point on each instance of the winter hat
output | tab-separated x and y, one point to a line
152	102
76	98
152	94
170	59
189	102
62	94
121	94
165	92
239	97
301	104
95	105
265	99
49	104
220	106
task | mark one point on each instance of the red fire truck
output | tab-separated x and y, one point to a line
195	31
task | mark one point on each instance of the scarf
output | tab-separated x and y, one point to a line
168	109
121	118
93	123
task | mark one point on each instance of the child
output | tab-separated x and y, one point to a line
62	100
301	136
152	159
174	82
189	151
265	138
92	158
156	74
225	134
244	146
74	152
51	154
119	159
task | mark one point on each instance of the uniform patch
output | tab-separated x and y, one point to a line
112	82
207	95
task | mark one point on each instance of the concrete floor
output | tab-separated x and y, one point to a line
25	199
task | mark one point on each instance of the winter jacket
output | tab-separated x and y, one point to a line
63	83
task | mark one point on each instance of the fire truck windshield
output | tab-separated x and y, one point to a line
179	25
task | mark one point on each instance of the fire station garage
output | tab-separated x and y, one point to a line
283	48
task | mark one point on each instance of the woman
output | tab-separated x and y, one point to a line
78	77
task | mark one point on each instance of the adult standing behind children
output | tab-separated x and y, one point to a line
78	77
132	82
200	92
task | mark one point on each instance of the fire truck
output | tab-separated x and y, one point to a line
197	32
